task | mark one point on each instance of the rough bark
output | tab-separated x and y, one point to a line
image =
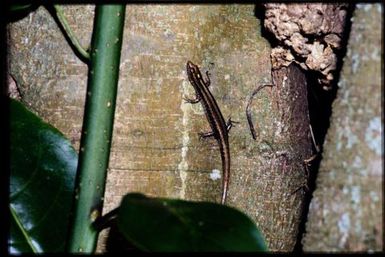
346	212
156	149
309	34
284	143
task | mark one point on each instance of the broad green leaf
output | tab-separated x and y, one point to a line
157	224
43	167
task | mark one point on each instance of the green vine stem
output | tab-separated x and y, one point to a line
74	41
97	126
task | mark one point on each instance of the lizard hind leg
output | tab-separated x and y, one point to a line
230	123
203	135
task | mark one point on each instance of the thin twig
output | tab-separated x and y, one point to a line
74	40
248	112
314	142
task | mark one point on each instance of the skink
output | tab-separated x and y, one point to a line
215	118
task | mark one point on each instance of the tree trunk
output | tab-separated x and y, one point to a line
346	213
156	149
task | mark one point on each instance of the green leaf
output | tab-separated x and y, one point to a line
43	167
156	224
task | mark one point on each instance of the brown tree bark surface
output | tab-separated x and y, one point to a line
282	147
346	213
309	34
156	149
